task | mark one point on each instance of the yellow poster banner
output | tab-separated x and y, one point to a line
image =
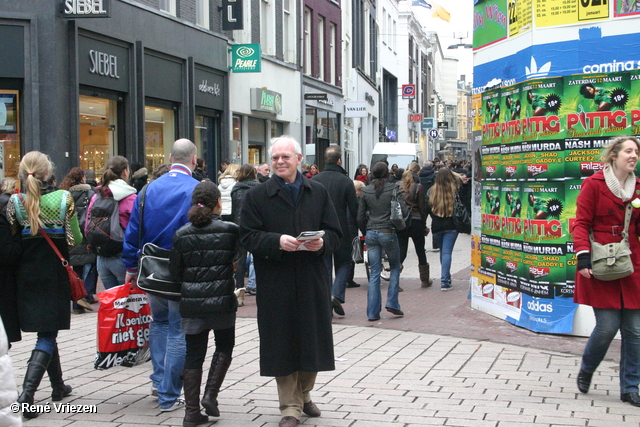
552	13
520	13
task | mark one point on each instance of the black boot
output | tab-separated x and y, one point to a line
59	389
191	383
425	280
35	371
219	367
584	381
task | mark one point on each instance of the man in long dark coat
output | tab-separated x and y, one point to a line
294	301
343	195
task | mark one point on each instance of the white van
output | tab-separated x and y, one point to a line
400	153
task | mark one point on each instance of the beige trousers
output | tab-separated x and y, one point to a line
293	392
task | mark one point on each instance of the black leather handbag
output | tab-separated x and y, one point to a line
461	217
153	272
153	267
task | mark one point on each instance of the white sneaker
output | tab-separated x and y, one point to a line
240	296
178	404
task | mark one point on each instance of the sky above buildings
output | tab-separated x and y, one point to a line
459	29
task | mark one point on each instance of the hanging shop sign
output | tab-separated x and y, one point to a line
86	9
266	101
232	15
246	58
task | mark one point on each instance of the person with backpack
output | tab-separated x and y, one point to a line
81	257
107	218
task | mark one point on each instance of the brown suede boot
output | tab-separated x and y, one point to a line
191	383
219	366
425	280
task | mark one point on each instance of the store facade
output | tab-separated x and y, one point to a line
265	105
85	89
324	111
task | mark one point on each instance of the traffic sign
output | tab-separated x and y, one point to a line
433	133
408	91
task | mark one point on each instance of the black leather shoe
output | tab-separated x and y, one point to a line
353	284
337	307
395	311
633	398
311	409
584	381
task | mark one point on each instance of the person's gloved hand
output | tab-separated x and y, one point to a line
584	261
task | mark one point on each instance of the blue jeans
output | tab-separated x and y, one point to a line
251	283
608	321
445	241
168	349
341	261
89	275
111	271
376	241
46	341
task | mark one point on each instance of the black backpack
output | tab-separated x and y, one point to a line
81	201
104	232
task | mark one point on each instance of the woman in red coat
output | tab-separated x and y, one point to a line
616	304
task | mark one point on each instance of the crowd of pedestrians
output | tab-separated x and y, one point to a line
245	222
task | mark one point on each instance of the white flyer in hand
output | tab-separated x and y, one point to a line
308	235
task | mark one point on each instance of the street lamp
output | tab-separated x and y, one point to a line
461	37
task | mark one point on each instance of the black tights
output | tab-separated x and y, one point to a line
197	346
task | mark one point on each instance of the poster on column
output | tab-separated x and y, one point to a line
542	102
511	107
634	104
546	315
582	156
491	117
595	105
492	168
543	160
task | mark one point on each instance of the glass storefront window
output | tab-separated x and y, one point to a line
234	152
277	129
204	128
97	132
9	134
257	140
159	125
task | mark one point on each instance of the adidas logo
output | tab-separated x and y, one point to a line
533	72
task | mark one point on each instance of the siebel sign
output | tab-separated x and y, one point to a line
85	8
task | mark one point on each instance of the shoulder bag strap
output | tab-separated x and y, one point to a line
48	239
141	197
627	220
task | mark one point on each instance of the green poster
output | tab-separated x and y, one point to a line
544	160
491	117
595	105
543	104
544	213
490	22
634	103
511	111
582	156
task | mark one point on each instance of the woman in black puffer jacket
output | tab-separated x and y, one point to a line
247	178
202	258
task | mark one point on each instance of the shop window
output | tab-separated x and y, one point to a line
277	129
97	132
257	140
9	134
159	124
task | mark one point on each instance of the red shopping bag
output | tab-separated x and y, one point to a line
123	327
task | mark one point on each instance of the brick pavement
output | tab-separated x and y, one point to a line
441	364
